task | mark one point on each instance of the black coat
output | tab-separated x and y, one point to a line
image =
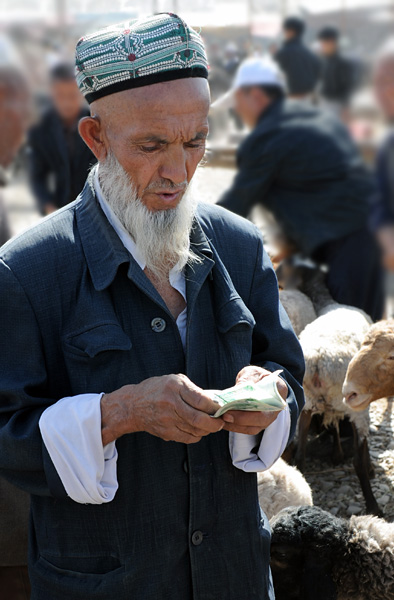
301	67
339	78
57	175
301	164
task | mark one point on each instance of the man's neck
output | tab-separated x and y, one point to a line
172	298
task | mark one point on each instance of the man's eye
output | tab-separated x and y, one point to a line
149	148
195	144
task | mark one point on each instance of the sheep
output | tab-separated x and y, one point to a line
370	374
282	486
299	309
315	555
329	343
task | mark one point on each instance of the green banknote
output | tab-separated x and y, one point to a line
260	396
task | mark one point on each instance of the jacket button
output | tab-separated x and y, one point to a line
185	466
158	325
197	538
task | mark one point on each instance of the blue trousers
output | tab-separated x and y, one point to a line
355	274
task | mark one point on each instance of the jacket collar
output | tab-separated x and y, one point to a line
104	252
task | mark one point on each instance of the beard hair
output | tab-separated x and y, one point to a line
163	236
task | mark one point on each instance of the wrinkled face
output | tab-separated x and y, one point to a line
383	80
14	120
370	374
157	134
67	99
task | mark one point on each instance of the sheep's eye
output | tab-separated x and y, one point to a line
390	357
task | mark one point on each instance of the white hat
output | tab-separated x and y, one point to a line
252	71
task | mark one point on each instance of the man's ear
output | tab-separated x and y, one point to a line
90	131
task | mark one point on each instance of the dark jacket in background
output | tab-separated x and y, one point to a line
300	65
301	164
80	321
338	78
382	203
59	161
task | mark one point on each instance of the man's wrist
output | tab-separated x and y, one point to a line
116	415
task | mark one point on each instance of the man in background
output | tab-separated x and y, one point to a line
300	65
14	504
382	209
338	73
300	163
59	159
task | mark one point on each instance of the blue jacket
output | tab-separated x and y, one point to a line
75	317
301	164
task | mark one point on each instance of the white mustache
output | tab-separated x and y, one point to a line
166	184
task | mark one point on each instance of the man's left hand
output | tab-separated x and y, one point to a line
252	423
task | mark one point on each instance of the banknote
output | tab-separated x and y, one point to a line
260	396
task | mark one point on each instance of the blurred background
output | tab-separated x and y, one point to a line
44	34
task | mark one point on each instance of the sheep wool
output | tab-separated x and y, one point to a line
329	343
280	486
299	309
355	556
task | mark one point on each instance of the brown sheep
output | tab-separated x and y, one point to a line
370	374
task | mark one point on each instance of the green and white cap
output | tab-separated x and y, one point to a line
138	53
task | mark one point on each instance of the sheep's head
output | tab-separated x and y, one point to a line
295	274
370	374
305	543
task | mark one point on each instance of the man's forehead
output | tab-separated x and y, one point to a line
155	128
159	109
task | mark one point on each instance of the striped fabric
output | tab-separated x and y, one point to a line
137	53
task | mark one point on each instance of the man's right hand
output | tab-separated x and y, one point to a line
170	407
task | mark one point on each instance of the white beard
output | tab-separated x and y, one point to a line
162	237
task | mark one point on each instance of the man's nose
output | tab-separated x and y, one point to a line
173	166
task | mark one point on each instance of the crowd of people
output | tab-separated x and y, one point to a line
120	310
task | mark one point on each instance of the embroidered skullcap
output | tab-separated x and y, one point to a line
138	53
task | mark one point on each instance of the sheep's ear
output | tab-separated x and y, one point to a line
316	578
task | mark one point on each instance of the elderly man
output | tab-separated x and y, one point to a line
14	503
119	311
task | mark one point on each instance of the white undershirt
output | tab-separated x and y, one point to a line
71	428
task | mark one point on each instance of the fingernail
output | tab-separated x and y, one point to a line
228	418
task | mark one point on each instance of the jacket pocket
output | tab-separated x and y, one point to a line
52	581
235	317
98	338
98	359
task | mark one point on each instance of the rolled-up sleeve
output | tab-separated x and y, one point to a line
71	431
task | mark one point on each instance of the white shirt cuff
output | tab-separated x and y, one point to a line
71	431
274	441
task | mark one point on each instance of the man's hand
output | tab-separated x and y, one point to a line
252	423
170	407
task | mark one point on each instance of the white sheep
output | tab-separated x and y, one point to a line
281	486
317	555
299	309
329	343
